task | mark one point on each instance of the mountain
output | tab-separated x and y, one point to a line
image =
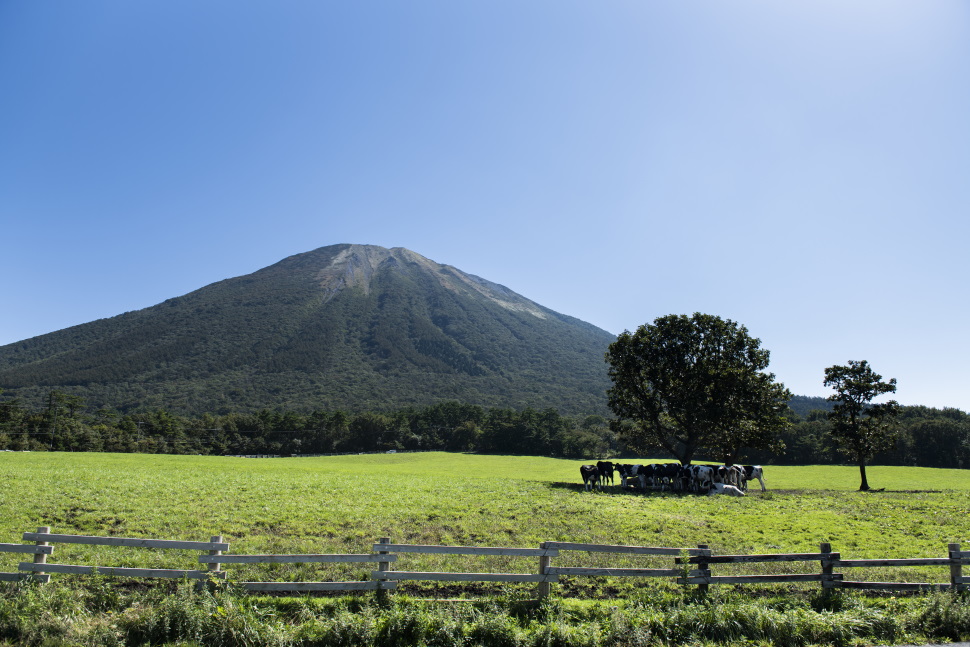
803	405
352	327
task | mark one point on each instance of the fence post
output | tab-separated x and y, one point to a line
827	583
383	567
704	567
214	568
41	559
544	588
956	568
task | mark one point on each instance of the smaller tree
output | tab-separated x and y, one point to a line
859	427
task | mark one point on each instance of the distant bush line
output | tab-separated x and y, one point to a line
926	437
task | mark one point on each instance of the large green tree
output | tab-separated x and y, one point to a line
859	427
685	384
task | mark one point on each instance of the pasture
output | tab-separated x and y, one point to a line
345	503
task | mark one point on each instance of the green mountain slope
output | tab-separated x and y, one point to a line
347	326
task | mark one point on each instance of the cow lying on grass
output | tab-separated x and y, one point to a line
724	488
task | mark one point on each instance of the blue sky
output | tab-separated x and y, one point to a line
800	167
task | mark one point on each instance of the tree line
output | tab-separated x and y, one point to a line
64	424
924	436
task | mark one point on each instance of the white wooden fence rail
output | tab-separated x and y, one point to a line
40	553
618	549
373	585
541	577
43	537
690	566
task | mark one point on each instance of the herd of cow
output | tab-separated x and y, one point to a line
700	479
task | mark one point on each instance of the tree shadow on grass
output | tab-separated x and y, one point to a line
579	487
614	489
629	491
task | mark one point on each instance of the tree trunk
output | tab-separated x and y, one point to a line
865	483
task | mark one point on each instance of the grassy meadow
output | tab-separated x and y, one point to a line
345	503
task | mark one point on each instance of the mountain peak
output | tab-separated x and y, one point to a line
354	266
357	327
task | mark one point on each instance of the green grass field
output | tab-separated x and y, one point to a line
345	503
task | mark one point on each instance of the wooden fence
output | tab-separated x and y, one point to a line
43	540
688	566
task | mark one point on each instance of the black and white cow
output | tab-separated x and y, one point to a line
623	469
630	472
668	475
701	478
644	474
606	471
728	475
751	472
724	488
591	477
647	475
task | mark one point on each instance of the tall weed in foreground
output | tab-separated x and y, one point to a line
495	630
340	630
94	613
733	620
215	620
55	616
32	614
410	625
946	617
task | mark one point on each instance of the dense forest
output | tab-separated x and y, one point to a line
350	327
926	437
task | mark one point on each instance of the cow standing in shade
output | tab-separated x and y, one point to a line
668	475
628	472
591	477
729	475
701	478
606	471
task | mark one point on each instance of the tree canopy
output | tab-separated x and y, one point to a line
861	428
685	384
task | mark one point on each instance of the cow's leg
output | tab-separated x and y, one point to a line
761	480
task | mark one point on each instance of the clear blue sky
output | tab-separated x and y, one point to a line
801	167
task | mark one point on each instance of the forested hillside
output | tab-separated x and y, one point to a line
350	327
803	405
